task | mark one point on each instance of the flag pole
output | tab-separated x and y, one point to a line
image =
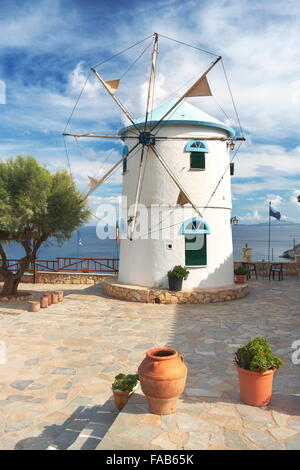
269	241
77	244
117	238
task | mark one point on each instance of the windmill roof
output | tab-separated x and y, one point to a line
185	113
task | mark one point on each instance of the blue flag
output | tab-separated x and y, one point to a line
274	213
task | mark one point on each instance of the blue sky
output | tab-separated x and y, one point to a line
47	48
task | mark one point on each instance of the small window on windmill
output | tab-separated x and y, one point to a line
125	151
197	149
231	169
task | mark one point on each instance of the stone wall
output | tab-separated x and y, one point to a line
132	293
289	268
47	277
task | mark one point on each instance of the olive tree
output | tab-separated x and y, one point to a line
34	206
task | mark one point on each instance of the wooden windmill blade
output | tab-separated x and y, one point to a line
142	167
108	88
183	193
130	137
151	79
96	136
94	184
143	160
188	92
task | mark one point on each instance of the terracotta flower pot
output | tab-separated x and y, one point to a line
121	398
44	301
255	388
240	278
54	298
34	306
49	299
162	376
60	295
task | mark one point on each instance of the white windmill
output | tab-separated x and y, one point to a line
176	156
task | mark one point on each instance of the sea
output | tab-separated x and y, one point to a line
283	237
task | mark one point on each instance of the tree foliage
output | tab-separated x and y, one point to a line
35	205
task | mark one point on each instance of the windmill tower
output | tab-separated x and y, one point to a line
194	152
176	176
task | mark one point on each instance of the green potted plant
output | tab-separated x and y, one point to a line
176	276
240	274
122	387
255	365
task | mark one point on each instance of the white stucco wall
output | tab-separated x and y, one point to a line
147	261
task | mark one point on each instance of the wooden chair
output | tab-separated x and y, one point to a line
251	269
276	268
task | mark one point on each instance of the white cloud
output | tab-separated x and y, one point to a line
275	200
294	198
266	160
255	216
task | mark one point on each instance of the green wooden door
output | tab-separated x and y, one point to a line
197	161
195	250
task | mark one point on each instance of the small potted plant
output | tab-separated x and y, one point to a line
124	386
176	276
255	365
240	274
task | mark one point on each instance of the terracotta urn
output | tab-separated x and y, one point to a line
60	295
44	301
121	398
240	278
49	299
255	387
162	376
54	298
34	306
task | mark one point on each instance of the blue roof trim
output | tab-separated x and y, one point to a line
229	130
184	230
203	148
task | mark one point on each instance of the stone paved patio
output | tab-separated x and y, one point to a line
55	385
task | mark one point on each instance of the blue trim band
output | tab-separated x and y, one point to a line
185	231
229	130
203	146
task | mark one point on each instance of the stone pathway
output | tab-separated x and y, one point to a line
55	384
204	423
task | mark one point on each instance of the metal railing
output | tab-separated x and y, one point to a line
70	264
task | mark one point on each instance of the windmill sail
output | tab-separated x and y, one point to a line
201	88
92	183
182	199
113	85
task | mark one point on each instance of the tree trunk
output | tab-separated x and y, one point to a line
10	286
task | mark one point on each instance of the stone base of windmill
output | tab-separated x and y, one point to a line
133	293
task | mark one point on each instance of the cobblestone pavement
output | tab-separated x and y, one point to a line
60	362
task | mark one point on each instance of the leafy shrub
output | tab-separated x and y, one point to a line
257	356
125	383
241	271
179	271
